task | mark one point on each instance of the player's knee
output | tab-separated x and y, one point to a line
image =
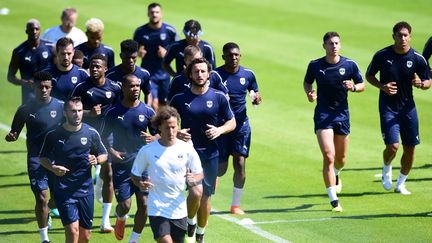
392	148
85	236
222	168
195	192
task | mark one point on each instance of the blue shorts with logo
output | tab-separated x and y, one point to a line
403	122
210	169
72	209
159	89
237	141
38	175
124	188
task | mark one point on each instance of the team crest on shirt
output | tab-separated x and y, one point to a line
209	103
45	54
409	64
342	71
108	94
84	141
242	81
163	36
180	156
141	118
74	80
53	114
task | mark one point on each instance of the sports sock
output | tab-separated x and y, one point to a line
337	171
200	230
386	169
123	218
401	180
43	232
191	221
236	196
331	191
134	238
106	209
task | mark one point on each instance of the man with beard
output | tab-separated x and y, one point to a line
69	151
202	110
126	129
153	39
29	57
66	75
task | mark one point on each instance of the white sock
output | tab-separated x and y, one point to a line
43	232
134	238
123	218
336	171
191	221
97	170
387	169
106	209
331	191
200	230
236	196
401	180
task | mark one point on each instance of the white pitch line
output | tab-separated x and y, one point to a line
252	228
292	221
6	128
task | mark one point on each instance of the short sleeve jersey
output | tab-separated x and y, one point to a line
151	39
102	49
400	69
332	95
124	126
167	167
39	119
31	61
238	84
64	82
91	95
71	150
176	50
196	111
180	83
116	75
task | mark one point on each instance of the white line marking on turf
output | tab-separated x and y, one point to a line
251	227
378	175
292	221
6	128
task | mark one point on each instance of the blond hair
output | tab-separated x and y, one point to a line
94	25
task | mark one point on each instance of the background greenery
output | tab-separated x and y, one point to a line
284	194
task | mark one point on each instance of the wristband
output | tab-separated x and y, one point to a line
354	88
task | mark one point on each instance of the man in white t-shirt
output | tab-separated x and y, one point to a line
171	164
66	29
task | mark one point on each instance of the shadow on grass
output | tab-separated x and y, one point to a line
387	215
15	185
13	175
425	166
325	195
276	210
26	232
16	211
12	151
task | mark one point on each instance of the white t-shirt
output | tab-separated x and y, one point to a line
166	167
53	34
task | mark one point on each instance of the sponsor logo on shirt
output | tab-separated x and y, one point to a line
342	71
209	103
53	114
188	104
62	141
322	71
108	94
28	58
180	156
141	118
90	92
120	117
146	37
242	81
74	80
409	64
83	140
45	54
390	61
32	115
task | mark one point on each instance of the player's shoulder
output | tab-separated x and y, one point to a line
169	27
107	48
141	71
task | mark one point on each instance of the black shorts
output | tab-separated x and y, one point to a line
162	226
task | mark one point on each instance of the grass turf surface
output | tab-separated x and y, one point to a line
285	194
